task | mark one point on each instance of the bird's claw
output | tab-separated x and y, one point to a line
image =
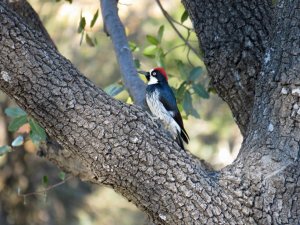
155	120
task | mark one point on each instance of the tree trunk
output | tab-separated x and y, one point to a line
108	142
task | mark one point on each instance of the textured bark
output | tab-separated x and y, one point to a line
233	36
108	142
29	16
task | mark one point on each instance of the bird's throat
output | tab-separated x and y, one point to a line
153	80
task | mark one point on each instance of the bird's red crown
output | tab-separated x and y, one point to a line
162	71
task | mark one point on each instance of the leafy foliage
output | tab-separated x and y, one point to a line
17	122
62	175
184	16
189	86
19	118
82	29
93	21
188	78
45	180
200	91
4	149
89	40
37	133
15	112
82	24
155	50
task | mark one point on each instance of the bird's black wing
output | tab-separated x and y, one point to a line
168	100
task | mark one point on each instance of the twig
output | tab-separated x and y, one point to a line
175	47
180	24
188	57
46	189
116	31
169	19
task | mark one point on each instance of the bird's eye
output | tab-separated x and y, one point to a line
154	73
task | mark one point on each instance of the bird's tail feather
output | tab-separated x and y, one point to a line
179	140
184	136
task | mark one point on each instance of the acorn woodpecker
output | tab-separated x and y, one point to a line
162	104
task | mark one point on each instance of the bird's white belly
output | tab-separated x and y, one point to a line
158	110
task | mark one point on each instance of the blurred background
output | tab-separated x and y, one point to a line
214	137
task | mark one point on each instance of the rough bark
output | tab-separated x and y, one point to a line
233	36
29	16
108	142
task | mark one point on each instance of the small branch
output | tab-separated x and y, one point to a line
115	29
46	189
170	20
172	49
180	24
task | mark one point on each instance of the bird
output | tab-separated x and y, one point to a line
162	104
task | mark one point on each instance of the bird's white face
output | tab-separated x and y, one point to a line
153	78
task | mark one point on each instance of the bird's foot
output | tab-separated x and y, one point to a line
155	120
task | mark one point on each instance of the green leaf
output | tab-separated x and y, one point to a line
150	51
212	90
187	102
18	141
160	33
62	175
70	1
82	24
89	41
137	63
81	38
182	69
152	40
35	138
4	149
188	106
114	89
133	46
94	18
159	58
45	180
200	91
17	122
184	16
37	133
194	113
195	73
180	92
15	112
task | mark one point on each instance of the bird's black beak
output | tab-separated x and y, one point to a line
147	74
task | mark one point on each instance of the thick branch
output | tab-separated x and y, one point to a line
276	110
30	17
233	35
115	29
106	141
274	132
